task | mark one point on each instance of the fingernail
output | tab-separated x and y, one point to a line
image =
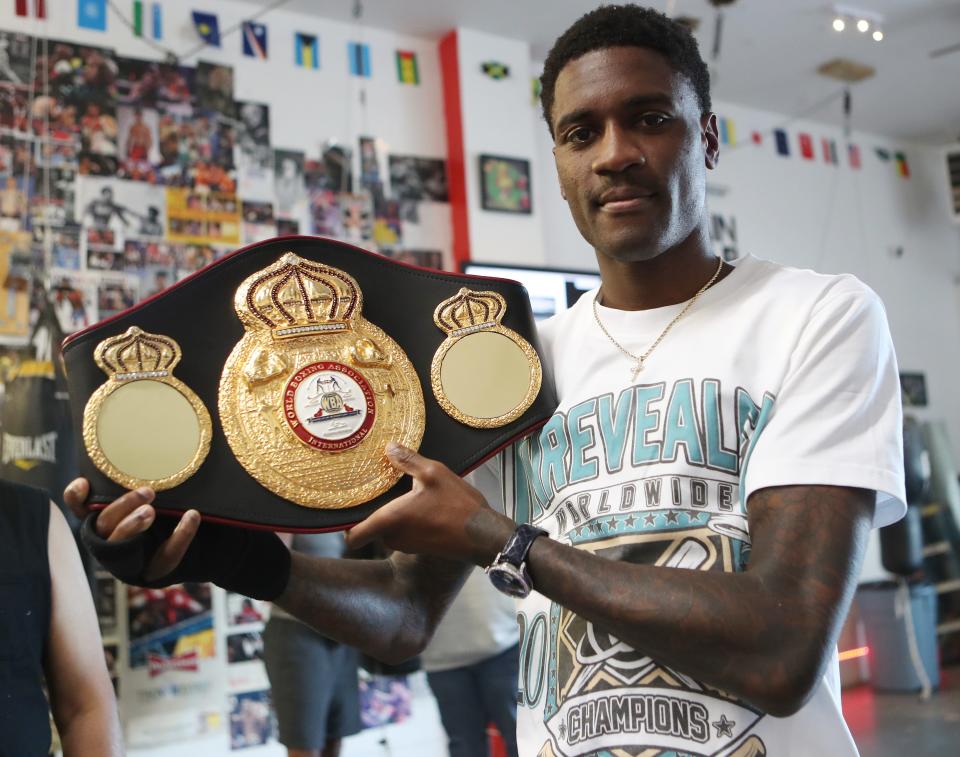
189	517
143	511
393	448
144	491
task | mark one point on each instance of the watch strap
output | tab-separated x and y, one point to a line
518	545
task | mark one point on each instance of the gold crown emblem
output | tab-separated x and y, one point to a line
468	311
295	297
137	354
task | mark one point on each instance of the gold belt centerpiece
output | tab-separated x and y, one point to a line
313	391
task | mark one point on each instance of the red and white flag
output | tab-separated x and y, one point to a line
32	8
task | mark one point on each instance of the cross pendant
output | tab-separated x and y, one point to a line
636	369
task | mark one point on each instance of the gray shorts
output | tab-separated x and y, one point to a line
313	684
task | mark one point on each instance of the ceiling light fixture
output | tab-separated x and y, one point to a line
849	17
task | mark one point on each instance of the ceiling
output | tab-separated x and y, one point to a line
769	56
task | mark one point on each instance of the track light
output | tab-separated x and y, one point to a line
848	17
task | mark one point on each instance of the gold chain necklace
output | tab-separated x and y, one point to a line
638	360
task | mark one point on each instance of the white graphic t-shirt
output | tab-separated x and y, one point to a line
776	376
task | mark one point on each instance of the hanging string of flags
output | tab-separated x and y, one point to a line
92	14
804	145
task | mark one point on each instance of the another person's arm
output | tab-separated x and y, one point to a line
81	696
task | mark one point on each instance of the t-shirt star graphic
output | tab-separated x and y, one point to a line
724	727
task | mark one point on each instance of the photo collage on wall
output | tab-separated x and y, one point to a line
126	175
119	177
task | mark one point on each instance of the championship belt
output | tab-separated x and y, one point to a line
297	360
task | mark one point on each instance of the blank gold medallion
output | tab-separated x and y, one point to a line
483	374
144	427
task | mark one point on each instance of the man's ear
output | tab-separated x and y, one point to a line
710	135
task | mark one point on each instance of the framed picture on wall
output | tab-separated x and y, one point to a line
913	389
505	184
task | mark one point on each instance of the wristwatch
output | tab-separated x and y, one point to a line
508	571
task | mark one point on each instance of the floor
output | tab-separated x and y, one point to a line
883	725
888	725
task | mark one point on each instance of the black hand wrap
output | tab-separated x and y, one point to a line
253	563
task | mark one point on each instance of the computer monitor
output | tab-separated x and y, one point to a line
551	289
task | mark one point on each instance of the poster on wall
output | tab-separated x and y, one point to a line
15	278
74	296
174	684
384	700
203	217
138	143
419	258
254	154
65	247
356	215
14	193
505	184
325	213
251	719
53	202
913	389
214	88
288	183
115	293
242	611
337	161
82	81
246	646
105	601
151	84
369	166
414	178
258	221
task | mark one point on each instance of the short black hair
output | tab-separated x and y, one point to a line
626	26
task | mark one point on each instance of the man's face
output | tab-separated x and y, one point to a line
631	149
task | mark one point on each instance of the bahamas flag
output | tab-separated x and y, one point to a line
359	55
207	27
307	51
92	14
407	71
728	132
255	40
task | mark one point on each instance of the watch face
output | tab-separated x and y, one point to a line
508	579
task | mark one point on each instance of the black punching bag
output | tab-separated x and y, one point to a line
36	436
901	543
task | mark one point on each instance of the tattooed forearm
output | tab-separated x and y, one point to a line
386	608
763	634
